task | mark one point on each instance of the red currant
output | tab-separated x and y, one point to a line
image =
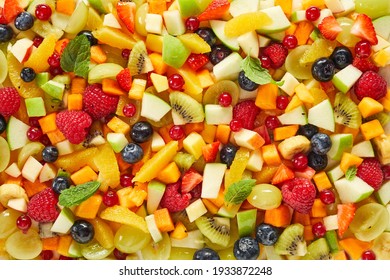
129	110
45	140
125	180
282	102
33	121
47	255
272	122
176	82
225	99
299	161
265	61
23	223
43	12
125	54
64	258
327	197
176	132
110	198
119	255
313	13
34	133
363	49
37	41
54	71
235	125
54	60
386	172
318	229
290	41
368	255
192	23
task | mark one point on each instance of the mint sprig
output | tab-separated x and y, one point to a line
351	173
253	70
239	191
76	56
77	194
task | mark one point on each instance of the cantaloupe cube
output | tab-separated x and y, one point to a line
170	174
208	133
75	101
271	155
89	207
319	209
118	126
348	160
83	175
266	96
371	129
369	106
284	132
55	136
158	64
193	144
223	133
322	181
48	123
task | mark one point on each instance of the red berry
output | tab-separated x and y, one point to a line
299	194
74	125
246	111
176	82
364	64
45	140
327	197
370	171
192	23
110	198
370	84
125	54
290	41
23	223
225	99
54	60
126	180
363	49
64	258
47	255
282	102
124	79
318	229
9	101
42	207
299	161
37	41
386	172
265	61
34	121
173	200
368	255
197	61
97	103
272	122
277	53
43	12
235	125
129	110
313	13
34	133
54	71
119	255
176	132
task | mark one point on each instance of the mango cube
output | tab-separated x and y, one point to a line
193	144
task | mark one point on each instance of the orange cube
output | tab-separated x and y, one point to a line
170	174
284	132
223	133
348	160
75	101
83	175
266	96
271	155
319	209
371	129
369	106
322	181
89	208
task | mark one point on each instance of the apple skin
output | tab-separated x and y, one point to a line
246	221
174	52
340	144
156	191
352	191
322	115
218	26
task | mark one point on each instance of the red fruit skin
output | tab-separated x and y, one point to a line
124	79
370	171
364	64
299	194
98	104
197	61
210	151
42	207
370	84
277	53
74	125
9	101
330	28
263	131
246	111
126	12
190	180
11	10
364	29
345	214
215	10
173	200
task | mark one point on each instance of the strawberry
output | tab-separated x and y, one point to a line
126	12
386	172
97	103
345	214
124	79
299	194
307	173
197	61
11	10
42	207
2	18
263	131
74	125
364	29
215	10
246	111
364	64
282	174
370	171
9	101
190	180
210	151
277	53
370	84
173	200
330	28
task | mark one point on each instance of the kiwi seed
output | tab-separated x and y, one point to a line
216	229
346	111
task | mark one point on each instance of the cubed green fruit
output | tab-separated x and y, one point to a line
174	22
346	78
64	221
42	78
322	115
331	239
341	143
351	191
188	8
174	52
216	114
78	19
16	133
383	194
153	107
229	68
295	116
102	71
54	89
363	149
246	221
35	107
117	141
156	191
218	26
279	20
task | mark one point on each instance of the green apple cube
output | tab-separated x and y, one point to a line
335	173
363	149
346	78
59	20
98	5
153	107
348	5
335	6
280	21
383	194
188	8
156	191
13	170
42	78
153	229
174	52
216	114
64	221
229	68
295	116
255	161
218	26
16	133
381	27
117	141
213	175
331	222
174	22
352	191
102	71
48	172
63	79
35	107
54	89
195	210
31	169
246	221
289	83
230	212
74	250
341	143
298	16
249	43
322	115
194	240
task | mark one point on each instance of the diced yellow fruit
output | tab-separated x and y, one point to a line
195	43
381	58
83	175
205	78
94	20
304	94
123	197
154	42
38	59
193	144
160	82
114	38
137	89
237	167
223	133
382	146
284	132
266	96
348	160
89	208
170	174
123	215
319	48
371	129
369	106
158	63
107	165
74	161
138	196
308	3
208	133
294	103
64	244
118	126
246	22
322	181
318	94
103	233
179	232
191	82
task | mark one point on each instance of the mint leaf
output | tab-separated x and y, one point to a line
239	191
351	173
253	70
76	56
77	194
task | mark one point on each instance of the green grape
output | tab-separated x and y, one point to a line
94	251
298	70
370	221
227	254
8	222
4	68
178	253
129	239
265	196
157	251
140	16
24	246
345	37
373	10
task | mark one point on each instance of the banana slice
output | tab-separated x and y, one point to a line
382	144
381	246
10	191
293	145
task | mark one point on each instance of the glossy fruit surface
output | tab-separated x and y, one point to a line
246	248
323	69
267	234
82	231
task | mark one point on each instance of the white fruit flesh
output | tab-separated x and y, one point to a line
213	175
322	115
346	78
351	191
216	114
289	83
229	68
280	21
340	143
194	240
156	191
174	23
195	210
363	149
218	26
64	221
295	116
153	229
383	194
117	141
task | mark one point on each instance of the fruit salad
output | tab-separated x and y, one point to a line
195	129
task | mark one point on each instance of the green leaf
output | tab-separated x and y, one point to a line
77	194
76	56
351	173
239	191
253	70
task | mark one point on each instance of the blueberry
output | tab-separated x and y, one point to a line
50	154
219	53
132	153
246	248
6	33
320	143
316	161
82	231
207	34
308	130
24	21
323	69
227	154
206	254
60	183
92	40
341	57
27	74
3	124
141	132
245	83
267	234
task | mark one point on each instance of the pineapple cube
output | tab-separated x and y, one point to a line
160	82
255	161
304	94
193	144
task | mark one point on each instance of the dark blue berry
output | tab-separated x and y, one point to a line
60	183
24	21
267	234
141	132
92	40
320	143
6	33
341	57
316	161
308	130
246	248
207	34
245	83
323	69
3	124
132	153
82	231
27	74
50	154
206	254
219	53
227	154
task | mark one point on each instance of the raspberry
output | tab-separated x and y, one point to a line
42	207
364	64
197	61
277	53
173	200
371	84
9	101
246	111
124	79
370	171
98	104
74	125
299	193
